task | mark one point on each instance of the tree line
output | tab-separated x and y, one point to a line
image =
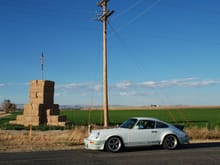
7	106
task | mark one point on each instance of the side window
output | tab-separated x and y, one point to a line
150	124
161	125
146	124
141	124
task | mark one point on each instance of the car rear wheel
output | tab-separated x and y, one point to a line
114	144
170	142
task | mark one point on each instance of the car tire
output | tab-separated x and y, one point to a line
170	142
114	144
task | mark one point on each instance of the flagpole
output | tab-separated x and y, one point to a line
42	66
42	74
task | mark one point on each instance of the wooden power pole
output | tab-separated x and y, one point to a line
103	18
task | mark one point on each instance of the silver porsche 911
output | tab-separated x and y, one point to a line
137	132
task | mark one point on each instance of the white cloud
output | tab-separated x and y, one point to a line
96	87
129	85
128	93
123	94
200	83
150	84
70	85
2	85
124	84
184	82
14	84
79	87
132	93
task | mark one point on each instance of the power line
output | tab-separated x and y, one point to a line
129	8
140	14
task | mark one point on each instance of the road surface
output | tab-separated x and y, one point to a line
199	153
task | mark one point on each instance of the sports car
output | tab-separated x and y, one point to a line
137	132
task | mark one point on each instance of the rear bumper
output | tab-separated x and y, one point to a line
184	140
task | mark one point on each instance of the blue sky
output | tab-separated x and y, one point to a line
164	52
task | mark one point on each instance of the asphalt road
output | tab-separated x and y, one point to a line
204	153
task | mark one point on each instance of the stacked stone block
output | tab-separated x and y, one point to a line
41	108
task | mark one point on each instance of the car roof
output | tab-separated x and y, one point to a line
146	118
150	118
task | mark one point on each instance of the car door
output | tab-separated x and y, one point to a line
143	133
161	129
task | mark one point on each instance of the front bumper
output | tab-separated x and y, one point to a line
94	144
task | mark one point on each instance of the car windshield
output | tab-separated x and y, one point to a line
129	123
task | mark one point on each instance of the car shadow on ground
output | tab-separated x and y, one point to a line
201	145
182	147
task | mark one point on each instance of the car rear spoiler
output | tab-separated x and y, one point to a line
181	127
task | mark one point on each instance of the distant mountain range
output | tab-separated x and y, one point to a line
114	107
21	106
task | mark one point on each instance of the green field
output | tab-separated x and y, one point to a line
190	117
201	117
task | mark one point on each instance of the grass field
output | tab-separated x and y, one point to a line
200	117
190	117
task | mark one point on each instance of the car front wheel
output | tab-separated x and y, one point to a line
114	144
170	142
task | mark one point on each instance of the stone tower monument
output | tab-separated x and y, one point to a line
41	108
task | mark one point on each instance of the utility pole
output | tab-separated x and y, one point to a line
103	18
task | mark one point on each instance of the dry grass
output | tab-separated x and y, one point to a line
203	133
41	140
70	139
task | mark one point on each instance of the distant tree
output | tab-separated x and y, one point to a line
7	106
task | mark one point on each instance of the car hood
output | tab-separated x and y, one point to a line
108	131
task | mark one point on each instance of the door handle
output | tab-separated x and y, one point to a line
154	131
